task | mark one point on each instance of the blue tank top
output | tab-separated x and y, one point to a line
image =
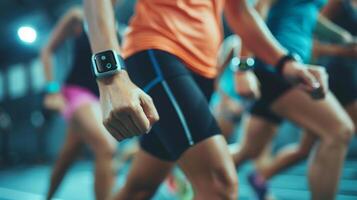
292	22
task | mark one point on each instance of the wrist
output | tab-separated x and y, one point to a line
52	87
119	76
286	60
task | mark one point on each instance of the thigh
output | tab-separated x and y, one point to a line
89	120
73	140
207	161
185	117
319	116
147	172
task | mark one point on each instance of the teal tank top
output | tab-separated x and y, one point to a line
292	22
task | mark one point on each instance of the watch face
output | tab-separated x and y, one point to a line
246	64
105	61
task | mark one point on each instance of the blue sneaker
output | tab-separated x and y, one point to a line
259	185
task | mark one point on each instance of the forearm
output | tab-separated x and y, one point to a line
321	49
99	15
246	22
328	31
47	62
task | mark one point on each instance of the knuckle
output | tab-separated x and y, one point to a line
150	99
105	123
156	118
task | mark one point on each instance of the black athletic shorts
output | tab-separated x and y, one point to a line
272	86
343	79
180	97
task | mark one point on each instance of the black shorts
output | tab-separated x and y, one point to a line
180	97
343	79
272	86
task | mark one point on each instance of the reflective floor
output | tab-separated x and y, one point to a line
30	183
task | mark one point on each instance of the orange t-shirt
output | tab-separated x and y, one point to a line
188	29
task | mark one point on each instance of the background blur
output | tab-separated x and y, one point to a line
30	138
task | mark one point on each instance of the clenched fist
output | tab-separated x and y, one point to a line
127	110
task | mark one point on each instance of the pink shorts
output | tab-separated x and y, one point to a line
76	97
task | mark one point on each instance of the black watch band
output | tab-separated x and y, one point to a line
283	60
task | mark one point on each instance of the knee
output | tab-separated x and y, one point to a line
228	185
341	135
105	148
222	185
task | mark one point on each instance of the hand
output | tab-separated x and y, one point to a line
247	85
55	102
313	78
127	110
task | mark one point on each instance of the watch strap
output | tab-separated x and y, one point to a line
283	60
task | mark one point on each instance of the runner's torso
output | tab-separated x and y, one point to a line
188	29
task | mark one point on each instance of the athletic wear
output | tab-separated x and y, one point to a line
180	97
81	71
189	29
259	186
80	87
75	97
343	71
347	17
292	23
343	79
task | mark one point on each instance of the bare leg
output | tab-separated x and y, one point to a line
352	112
210	170
68	154
145	176
102	144
333	126
207	165
225	113
288	156
257	134
265	158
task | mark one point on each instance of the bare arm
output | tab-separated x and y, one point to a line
64	29
321	49
246	22
127	111
101	25
327	30
262	7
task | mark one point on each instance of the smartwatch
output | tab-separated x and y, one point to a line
107	63
242	64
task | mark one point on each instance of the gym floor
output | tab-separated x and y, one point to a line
30	182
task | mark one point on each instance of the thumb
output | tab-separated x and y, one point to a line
309	80
149	109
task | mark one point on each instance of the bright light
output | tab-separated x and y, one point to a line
27	34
